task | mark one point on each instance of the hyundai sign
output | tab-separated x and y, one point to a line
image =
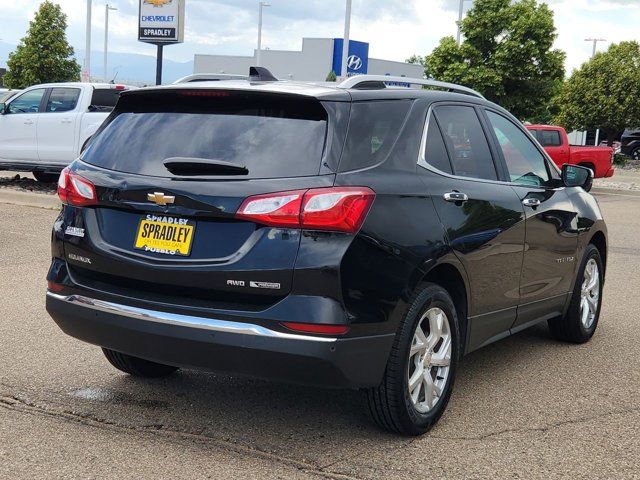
357	61
161	21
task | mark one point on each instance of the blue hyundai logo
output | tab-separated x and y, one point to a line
354	62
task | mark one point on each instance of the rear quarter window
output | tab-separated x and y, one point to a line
373	130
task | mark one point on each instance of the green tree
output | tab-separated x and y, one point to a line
604	92
507	55
332	77
44	55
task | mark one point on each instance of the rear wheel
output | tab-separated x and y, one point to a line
635	154
421	368
137	367
45	177
590	166
581	320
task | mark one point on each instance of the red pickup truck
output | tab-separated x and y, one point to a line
556	143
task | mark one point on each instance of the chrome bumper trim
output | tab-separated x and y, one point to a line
183	320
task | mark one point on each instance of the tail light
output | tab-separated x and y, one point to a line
316	328
75	190
337	209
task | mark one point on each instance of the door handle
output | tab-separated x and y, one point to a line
28	122
455	197
531	202
66	120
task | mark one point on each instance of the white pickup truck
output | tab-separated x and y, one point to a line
45	127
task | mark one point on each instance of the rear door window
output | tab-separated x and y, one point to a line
271	135
435	150
63	99
549	138
466	142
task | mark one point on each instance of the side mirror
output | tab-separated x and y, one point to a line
3	108
577	176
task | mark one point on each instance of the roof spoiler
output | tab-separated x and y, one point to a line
261	74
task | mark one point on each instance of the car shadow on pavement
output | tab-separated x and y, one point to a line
293	421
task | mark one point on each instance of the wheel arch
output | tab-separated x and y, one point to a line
599	240
452	278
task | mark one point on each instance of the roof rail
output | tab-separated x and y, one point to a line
358	80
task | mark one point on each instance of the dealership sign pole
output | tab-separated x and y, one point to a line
161	22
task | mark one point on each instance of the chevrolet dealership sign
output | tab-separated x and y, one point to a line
161	21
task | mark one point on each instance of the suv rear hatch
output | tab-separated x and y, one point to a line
171	169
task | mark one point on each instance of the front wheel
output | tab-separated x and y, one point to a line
580	322
421	368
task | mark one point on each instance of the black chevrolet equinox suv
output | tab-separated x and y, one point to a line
359	235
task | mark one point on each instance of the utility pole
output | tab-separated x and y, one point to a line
107	7
345	45
259	54
593	54
87	48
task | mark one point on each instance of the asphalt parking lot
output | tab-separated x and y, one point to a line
526	407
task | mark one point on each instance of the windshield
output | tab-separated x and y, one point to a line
270	137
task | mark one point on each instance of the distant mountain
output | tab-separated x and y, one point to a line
130	67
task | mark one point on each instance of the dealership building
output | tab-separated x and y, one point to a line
318	57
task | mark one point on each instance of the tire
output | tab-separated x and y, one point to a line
390	404
137	367
635	153
575	327
45	177
590	166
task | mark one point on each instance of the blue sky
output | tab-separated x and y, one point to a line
395	29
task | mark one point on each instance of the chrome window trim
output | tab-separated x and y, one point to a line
167	318
422	162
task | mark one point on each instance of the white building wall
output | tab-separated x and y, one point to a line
312	63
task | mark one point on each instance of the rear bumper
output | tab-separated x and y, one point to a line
221	345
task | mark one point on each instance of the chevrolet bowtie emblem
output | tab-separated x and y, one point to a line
157	3
160	198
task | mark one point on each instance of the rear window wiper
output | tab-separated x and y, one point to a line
187	166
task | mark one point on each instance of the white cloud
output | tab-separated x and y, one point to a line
395	29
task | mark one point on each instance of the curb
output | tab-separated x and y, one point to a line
616	191
29	199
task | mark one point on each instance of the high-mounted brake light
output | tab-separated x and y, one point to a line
204	93
336	209
316	328
75	190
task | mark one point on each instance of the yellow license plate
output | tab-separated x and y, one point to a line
170	236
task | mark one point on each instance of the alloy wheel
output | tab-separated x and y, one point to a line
429	360
590	294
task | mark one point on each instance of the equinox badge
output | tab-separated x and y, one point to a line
160	198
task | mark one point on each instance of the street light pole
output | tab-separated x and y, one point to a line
345	44
259	54
593	54
87	48
107	7
460	14
595	44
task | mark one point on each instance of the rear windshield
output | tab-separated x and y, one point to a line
271	135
